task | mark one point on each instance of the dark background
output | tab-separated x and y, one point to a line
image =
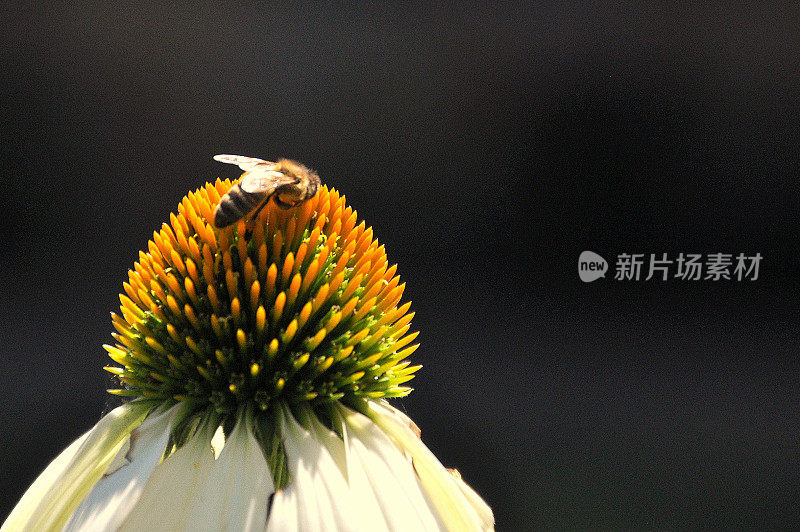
487	147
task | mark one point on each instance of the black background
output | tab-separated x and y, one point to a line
488	147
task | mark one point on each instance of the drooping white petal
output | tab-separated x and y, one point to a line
360	488
456	510
480	506
403	417
357	503
358	500
318	494
283	515
365	481
174	486
114	495
236	493
120	459
391	477
34	494
56	493
325	437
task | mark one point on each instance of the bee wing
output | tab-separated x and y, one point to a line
264	181
245	163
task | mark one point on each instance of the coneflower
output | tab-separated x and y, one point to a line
258	359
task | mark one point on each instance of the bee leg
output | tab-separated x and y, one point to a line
255	212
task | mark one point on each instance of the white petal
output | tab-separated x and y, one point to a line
51	499
317	493
28	503
114	495
236	493
480	506
328	439
174	486
369	508
456	510
391	477
355	502
283	515
121	458
403	417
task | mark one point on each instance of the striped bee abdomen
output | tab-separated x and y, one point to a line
235	205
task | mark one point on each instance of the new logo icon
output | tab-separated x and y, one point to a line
591	266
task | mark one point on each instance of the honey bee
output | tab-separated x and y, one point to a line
289	182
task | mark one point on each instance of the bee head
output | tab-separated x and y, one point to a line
306	183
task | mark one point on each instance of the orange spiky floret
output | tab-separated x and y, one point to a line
297	305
